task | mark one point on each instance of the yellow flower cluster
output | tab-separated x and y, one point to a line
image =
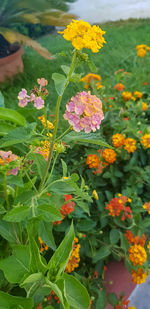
146	140
130	144
126	95
109	155
139	277
45	123
142	49
117	140
95	195
137	255
83	35
91	77
74	258
133	307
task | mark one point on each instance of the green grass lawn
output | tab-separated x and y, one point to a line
119	52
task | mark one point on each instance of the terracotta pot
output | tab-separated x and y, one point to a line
11	65
118	279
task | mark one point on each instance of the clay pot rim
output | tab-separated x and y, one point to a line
12	57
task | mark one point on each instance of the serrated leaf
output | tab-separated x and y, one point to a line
17	214
59	81
61	256
84	206
16	266
45	232
6	231
5	128
49	213
18	135
12	116
77	294
91	138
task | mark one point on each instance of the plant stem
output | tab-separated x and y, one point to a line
63	134
50	175
56	124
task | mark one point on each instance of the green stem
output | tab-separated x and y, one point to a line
56	124
5	193
54	162
34	187
63	134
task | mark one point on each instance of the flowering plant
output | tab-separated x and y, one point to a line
35	198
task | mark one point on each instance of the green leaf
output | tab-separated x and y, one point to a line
91	138
9	302
15	180
18	135
32	283
5	128
101	300
12	116
36	262
85	225
101	254
16	266
49	307
124	242
1	100
39	161
6	231
17	214
84	206
66	69
114	236
59	81
64	167
77	294
45	232
60	258
49	213
59	291
113	299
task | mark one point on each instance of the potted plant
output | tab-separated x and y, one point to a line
49	13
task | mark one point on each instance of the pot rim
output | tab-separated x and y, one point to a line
12	57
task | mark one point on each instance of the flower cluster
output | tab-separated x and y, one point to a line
109	155
46	123
130	144
74	258
145	140
92	78
118	140
137	255
135	239
144	106
37	95
142	49
43	246
119	87
139	276
83	35
67	208
92	161
126	95
84	112
6	157
117	207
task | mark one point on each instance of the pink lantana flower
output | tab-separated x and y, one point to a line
42	82
23	98
84	112
14	171
38	103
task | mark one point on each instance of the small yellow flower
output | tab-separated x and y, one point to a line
148	48
109	155
117	140
147	207
129	200
65	178
140	46
144	106
83	35
45	123
91	77
74	257
95	195
133	307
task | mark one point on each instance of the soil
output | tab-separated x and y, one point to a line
6	48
